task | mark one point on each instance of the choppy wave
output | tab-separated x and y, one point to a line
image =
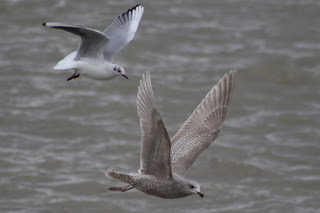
58	137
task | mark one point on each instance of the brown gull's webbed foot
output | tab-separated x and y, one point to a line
121	189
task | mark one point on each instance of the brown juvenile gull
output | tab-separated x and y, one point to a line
164	162
96	50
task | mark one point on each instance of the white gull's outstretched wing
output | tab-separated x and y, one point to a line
122	31
203	126
92	43
155	142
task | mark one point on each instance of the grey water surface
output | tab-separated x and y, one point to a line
57	138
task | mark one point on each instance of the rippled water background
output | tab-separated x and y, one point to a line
58	137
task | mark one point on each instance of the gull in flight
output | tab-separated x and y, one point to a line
96	50
164	162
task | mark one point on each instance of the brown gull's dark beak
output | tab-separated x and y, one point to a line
200	194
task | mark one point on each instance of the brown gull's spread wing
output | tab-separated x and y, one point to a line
203	126
155	142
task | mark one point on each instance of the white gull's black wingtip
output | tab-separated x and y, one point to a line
132	9
135	7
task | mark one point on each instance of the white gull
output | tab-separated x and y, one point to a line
96	50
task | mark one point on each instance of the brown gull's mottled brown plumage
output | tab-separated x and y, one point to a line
165	162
